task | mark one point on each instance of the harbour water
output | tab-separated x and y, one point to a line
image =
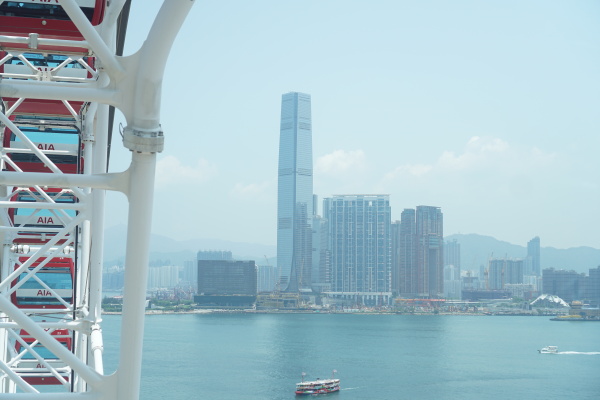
262	356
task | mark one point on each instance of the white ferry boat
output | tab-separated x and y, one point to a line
549	350
319	386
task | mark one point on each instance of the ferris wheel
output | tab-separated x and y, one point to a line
61	77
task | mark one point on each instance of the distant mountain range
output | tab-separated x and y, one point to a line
167	251
475	250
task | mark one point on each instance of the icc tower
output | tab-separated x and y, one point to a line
295	194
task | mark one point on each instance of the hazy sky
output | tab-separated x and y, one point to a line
487	109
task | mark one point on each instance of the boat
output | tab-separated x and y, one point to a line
549	350
318	386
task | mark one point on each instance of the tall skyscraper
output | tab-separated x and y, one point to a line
407	255
395	257
295	193
430	250
421	252
533	254
317	240
360	240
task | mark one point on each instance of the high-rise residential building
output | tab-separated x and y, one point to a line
452	253
113	279
407	255
266	278
189	274
317	240
164	277
317	232
321	273
395	257
421	266
494	279
295	193
513	272
430	251
452	272
360	244
504	271
325	269
533	254
452	282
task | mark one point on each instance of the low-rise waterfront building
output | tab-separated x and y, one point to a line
226	283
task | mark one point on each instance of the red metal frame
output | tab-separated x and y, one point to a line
39	166
42	106
15	197
33	238
64	337
48	27
57	262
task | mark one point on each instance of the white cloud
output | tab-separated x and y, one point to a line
480	155
416	170
341	162
477	151
539	157
170	171
251	190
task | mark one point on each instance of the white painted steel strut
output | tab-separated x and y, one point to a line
133	85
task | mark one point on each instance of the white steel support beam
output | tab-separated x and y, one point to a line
144	138
136	273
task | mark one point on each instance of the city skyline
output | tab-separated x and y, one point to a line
433	104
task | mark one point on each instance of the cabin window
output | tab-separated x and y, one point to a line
59	279
34	10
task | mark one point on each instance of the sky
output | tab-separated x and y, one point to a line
487	109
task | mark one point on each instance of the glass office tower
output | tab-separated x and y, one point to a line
295	193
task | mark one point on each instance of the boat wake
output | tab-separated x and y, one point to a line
349	388
589	353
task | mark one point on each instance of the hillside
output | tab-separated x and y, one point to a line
165	250
477	249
